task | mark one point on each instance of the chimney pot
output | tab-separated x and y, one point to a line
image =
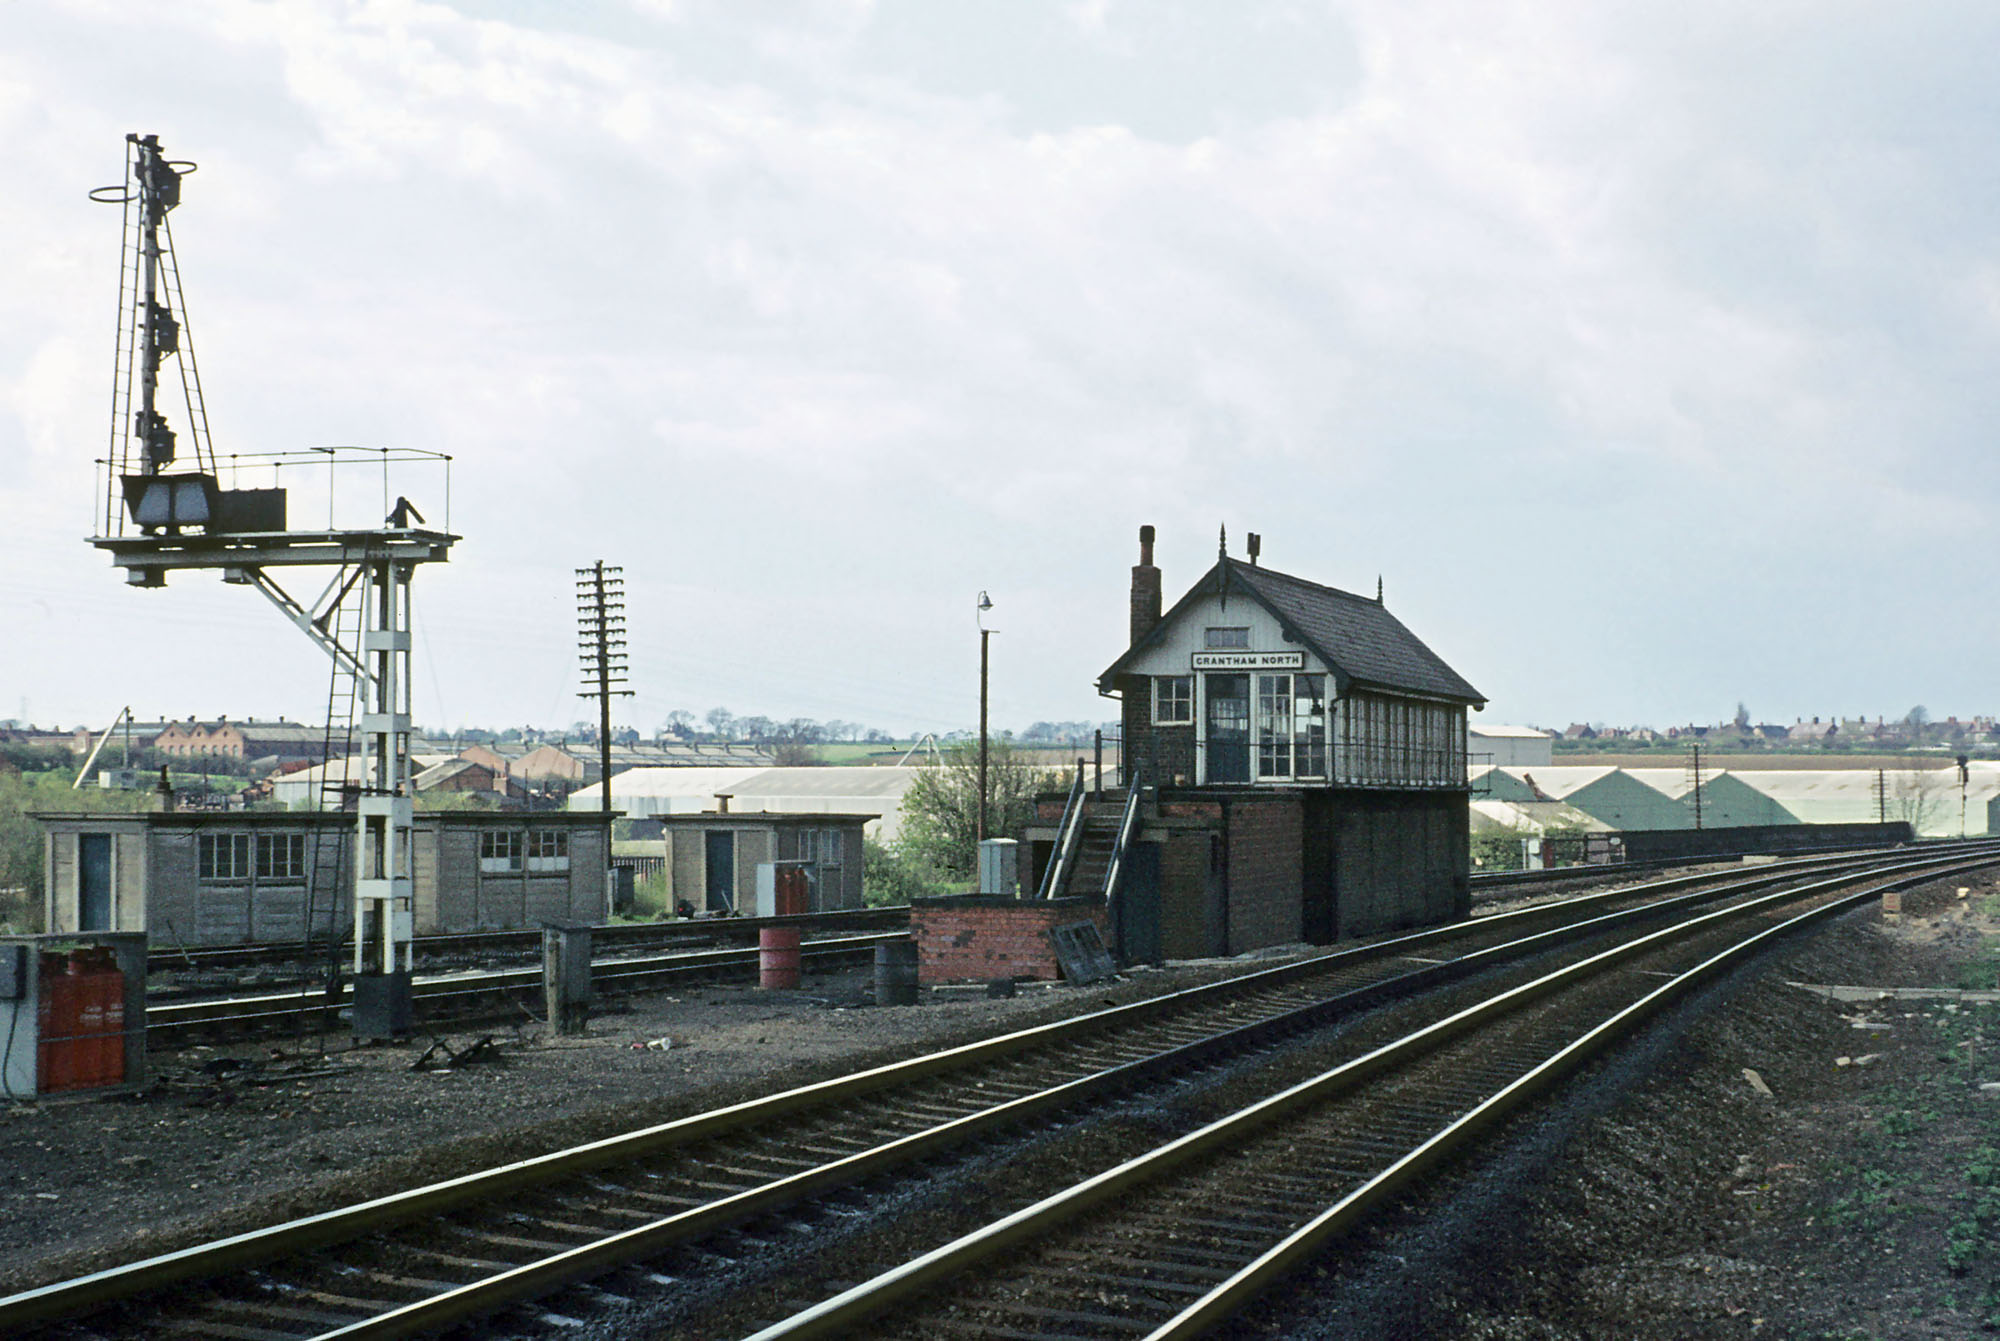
1146	602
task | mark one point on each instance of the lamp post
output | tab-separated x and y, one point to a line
985	604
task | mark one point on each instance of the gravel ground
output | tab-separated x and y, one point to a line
229	1139
1669	1198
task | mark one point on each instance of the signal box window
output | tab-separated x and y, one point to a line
1227	638
1173	700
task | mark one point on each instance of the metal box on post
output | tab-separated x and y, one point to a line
382	1006
999	866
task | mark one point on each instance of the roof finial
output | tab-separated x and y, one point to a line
1378	589
1222	565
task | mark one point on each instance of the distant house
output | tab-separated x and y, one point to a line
1813	732
551	763
468	775
1579	731
277	741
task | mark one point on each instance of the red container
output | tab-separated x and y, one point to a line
82	1022
57	1024
794	891
778	958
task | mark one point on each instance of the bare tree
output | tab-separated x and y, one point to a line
1918	797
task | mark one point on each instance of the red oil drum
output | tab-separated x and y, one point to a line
778	958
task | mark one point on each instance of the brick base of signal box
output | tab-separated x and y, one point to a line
979	937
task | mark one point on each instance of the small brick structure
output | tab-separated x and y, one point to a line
979	937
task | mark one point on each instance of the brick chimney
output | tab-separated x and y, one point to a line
1145	588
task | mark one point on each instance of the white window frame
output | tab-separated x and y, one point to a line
1160	682
501	851
548	851
1226	638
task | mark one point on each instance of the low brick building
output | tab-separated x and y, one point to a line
209	878
713	856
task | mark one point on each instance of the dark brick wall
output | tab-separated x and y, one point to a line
1173	756
978	938
1190	920
1400	860
1265	879
1135	722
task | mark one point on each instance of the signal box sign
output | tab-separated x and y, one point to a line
1249	660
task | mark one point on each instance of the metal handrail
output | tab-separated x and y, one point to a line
1127	824
1067	835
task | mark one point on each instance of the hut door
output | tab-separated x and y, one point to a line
93	882
721	845
1228	728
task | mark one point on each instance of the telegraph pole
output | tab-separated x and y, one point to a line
1694	781
985	604
600	631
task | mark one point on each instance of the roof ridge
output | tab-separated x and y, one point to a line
1302	581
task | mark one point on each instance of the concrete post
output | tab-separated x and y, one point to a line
566	975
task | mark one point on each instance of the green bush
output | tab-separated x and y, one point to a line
940	810
892	875
650	897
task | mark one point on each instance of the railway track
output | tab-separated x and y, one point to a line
478	996
639	1215
469	946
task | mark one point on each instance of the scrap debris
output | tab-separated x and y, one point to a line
485	1050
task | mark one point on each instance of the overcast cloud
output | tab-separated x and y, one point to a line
1645	350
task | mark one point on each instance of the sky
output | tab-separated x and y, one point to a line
1644	351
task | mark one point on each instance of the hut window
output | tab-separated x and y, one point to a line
500	851
548	849
224	856
1173	700
1227	638
281	856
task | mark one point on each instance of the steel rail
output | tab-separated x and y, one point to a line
544	1274
839	1315
169	959
611	975
85	1293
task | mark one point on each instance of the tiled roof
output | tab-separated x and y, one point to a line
1355	635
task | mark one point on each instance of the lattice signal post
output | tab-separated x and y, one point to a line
160	518
600	635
